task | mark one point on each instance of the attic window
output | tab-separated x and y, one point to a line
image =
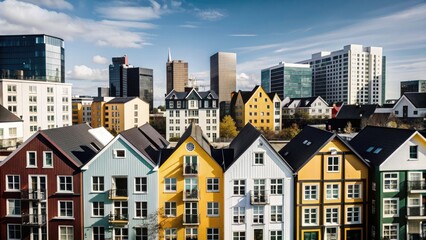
333	151
308	143
378	150
369	149
119	153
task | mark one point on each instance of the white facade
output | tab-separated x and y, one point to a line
136	113
352	75
277	113
41	105
11	133
404	108
317	109
272	169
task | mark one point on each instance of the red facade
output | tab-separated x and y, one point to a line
42	191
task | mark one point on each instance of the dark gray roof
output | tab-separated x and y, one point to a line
7	116
121	99
376	144
147	140
183	95
417	99
305	145
356	111
303	102
75	141
242	142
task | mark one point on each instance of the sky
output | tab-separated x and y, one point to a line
262	33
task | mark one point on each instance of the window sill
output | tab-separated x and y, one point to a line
47	166
13	216
31	166
13	191
64	218
140	193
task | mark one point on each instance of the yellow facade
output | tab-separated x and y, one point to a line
98	113
173	168
77	113
258	110
335	194
114	117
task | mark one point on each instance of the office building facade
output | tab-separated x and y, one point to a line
288	80
41	105
32	57
223	76
177	74
413	86
354	74
81	110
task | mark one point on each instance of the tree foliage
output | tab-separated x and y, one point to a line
290	132
227	128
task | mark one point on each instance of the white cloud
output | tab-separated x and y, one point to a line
83	72
188	26
210	14
20	17
132	13
129	24
246	81
100	60
55	4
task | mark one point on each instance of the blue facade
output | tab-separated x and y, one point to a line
127	193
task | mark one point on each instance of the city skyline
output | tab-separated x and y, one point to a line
96	31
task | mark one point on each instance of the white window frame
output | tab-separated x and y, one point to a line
337	232
258	215
259	158
168	210
330	192
28	159
355	192
116	151
397	207
66	183
143	234
239	186
334	214
214	233
170	233
66	227
276	183
277	211
213	209
238	213
276	234
101	207
141	185
310	192
8	202
350	215
8	231
311	223
215	183
101	230
142	209
170	185
333	165
13	183
417	153
59	208
44	159
390	225
391	179
98	184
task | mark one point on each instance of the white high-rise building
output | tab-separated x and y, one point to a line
41	105
354	74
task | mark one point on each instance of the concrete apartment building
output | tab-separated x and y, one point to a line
11	128
354	74
81	110
177	74
288	80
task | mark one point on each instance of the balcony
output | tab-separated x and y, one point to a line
118	194
33	194
416	213
120	219
417	186
33	219
190	170
191	219
259	197
190	195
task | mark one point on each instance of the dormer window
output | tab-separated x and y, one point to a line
171	104
119	153
178	104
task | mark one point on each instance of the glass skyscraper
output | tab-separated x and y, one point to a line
288	80
32	57
223	74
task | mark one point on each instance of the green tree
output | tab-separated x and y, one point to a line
348	128
302	115
290	132
227	127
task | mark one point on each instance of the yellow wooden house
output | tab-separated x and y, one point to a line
331	187
191	189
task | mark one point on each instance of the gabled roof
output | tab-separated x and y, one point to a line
417	99
196	133
304	146
183	95
376	144
75	141
245	138
308	143
304	102
204	95
147	140
356	111
7	116
121	99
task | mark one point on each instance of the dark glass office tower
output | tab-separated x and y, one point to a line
223	74
117	76
32	57
140	84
